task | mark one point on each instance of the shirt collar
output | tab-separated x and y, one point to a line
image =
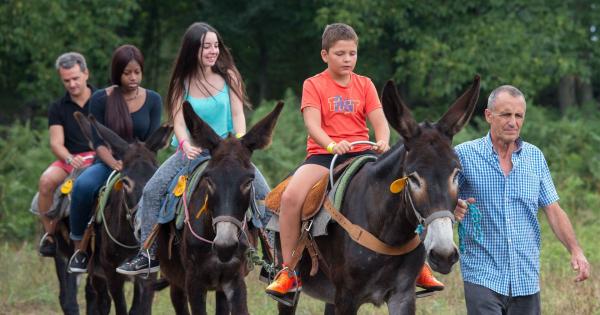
487	141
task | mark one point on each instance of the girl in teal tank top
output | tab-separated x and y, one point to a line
205	76
214	110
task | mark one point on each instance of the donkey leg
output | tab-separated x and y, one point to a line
143	295
239	299
329	309
344	303
222	305
196	295
179	301
402	302
101	296
67	286
115	286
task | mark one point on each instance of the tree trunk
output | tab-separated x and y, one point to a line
566	93
585	92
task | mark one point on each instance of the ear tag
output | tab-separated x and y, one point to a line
118	185
398	185
66	187
204	207
180	187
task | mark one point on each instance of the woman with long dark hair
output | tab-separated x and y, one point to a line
205	75
132	112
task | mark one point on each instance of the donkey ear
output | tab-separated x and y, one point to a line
461	111
117	145
202	134
260	136
398	114
86	128
159	138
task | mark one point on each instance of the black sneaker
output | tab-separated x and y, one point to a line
140	264
47	246
78	262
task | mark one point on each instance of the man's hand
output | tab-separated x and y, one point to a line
581	265
77	162
461	208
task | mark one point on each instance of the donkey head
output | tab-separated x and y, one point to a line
431	166
139	158
226	184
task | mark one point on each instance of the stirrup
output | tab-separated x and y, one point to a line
425	293
289	299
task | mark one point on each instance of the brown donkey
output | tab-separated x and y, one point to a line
212	251
115	240
427	165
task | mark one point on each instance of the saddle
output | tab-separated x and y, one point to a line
61	198
315	198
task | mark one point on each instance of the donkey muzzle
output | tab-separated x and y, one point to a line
226	241
442	253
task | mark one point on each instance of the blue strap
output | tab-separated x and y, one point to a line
476	232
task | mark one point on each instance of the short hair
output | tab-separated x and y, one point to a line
337	31
511	90
70	59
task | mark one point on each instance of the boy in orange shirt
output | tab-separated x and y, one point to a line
336	105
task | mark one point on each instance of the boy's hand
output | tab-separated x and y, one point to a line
381	147
341	147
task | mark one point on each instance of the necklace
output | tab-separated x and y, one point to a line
137	91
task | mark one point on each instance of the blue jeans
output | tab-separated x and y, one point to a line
84	196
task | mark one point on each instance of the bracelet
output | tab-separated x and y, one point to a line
180	147
69	160
330	147
239	135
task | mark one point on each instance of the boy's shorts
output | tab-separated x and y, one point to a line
69	168
325	159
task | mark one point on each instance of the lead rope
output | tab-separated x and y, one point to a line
477	234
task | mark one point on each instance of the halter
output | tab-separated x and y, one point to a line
222	218
424	222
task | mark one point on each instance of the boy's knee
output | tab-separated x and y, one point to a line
291	201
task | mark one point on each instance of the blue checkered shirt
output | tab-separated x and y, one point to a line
507	258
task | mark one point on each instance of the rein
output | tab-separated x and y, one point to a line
129	214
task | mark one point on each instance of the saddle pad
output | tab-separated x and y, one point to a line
171	206
60	201
311	204
105	193
322	218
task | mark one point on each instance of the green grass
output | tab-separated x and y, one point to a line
28	284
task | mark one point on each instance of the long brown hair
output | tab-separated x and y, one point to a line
117	116
186	67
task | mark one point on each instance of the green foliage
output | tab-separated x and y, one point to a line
35	33
289	140
25	155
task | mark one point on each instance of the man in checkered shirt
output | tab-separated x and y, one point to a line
508	180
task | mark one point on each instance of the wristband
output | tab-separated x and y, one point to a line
330	147
239	135
69	160
181	145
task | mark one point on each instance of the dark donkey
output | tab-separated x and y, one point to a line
425	161
116	241
212	253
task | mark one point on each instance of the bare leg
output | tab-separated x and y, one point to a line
291	206
48	183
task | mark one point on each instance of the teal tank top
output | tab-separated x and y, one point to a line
214	110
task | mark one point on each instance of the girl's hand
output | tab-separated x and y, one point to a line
190	151
117	165
381	147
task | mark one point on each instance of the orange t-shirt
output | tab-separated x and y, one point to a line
344	110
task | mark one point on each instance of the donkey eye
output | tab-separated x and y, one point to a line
414	181
245	187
